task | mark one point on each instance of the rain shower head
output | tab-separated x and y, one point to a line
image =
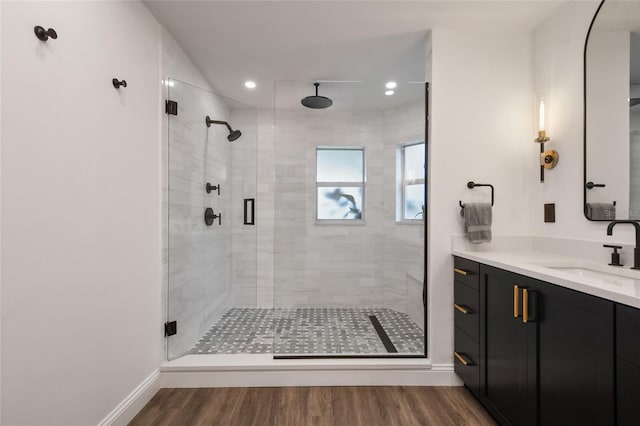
233	134
316	102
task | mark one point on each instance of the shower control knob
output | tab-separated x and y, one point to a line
213	188
210	217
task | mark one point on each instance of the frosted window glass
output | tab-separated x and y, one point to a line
414	162
340	165
339	202
413	201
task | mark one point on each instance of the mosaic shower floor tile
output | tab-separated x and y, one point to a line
306	331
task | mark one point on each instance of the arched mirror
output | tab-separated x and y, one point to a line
612	113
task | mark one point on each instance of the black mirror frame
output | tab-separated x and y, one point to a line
584	120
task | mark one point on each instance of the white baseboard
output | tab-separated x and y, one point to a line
133	403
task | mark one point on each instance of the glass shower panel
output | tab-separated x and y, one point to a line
347	268
211	252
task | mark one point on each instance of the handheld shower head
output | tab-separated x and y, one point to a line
233	134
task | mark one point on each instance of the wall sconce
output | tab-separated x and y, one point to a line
549	158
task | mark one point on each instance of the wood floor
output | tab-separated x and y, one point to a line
331	406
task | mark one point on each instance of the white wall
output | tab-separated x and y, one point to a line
80	209
481	127
558	49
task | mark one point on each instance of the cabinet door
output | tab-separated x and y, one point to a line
575	357
508	347
627	364
628	379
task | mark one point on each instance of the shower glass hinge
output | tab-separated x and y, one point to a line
171	107
170	328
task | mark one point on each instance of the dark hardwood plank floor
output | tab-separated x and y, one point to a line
300	406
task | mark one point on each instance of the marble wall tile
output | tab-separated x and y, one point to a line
354	265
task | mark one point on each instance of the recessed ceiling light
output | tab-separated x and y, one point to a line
391	85
250	84
389	92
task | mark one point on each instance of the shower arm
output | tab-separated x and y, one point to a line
210	122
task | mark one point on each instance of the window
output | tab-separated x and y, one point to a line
340	183
411	185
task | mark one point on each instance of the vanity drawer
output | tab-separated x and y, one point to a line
628	334
466	309
466	272
466	353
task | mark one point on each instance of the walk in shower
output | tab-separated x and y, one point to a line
317	246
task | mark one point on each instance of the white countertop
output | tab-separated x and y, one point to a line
623	287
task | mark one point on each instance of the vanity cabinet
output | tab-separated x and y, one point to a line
628	364
546	354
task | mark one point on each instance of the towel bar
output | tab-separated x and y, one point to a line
472	185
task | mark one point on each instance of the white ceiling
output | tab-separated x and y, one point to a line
267	41
348	95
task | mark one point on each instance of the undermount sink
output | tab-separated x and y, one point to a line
621	278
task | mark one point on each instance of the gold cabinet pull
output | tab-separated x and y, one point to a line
525	306
461	308
516	297
460	271
461	358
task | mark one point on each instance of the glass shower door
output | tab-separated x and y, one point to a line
211	245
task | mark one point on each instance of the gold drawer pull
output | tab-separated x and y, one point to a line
516	297
462	309
460	271
525	306
461	358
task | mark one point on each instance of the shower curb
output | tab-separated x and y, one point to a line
190	372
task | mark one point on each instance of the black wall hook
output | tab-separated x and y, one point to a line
117	83
43	34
